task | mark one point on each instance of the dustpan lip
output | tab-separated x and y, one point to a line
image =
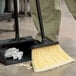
44	44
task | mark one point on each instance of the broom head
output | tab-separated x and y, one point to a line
49	56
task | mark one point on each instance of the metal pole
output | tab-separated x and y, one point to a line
16	20
40	20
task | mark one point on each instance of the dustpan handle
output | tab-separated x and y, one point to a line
40	20
16	20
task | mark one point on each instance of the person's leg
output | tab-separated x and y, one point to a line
22	6
28	8
71	4
25	7
2	6
18	5
51	15
11	5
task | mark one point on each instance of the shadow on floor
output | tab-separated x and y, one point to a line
5	30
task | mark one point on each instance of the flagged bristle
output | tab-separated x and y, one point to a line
49	57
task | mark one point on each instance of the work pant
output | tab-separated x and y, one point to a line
51	15
22	6
2	6
11	5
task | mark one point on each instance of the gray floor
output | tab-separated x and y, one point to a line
67	39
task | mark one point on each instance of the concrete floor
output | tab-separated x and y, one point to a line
67	39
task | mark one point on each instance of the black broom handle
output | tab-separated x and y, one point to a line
16	20
40	20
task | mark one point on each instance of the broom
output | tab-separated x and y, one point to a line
47	54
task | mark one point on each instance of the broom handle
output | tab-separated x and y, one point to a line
40	20
16	20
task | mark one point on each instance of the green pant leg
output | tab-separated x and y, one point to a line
72	6
2	6
51	15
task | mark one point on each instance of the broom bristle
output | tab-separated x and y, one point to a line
49	57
